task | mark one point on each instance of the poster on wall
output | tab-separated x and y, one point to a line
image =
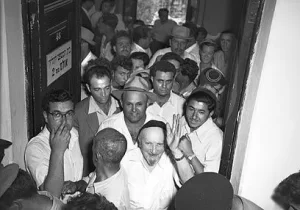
59	61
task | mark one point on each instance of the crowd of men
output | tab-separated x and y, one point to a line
150	121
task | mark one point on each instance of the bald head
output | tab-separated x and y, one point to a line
110	145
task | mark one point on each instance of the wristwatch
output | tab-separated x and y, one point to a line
191	157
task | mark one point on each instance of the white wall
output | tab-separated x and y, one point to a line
13	124
272	151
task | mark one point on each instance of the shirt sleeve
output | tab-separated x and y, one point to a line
213	154
37	164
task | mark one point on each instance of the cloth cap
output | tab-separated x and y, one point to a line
136	83
8	174
110	19
212	76
209	191
181	32
87	35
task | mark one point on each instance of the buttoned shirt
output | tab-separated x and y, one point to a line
114	189
166	50
37	157
117	122
93	107
206	142
194	50
149	190
174	105
137	48
162	32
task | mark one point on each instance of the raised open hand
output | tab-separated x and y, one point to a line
173	134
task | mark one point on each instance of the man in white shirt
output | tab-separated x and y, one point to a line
109	179
168	103
193	46
201	140
151	174
134	99
178	42
53	156
141	40
93	110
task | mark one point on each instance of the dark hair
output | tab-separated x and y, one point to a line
110	20
83	1
140	32
118	35
23	187
202	30
163	10
141	56
122	61
163	66
139	22
204	97
193	29
189	68
97	71
209	44
155	124
56	95
111	144
88	201
172	56
112	3
227	32
288	191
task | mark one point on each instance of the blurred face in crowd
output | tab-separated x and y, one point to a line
163	83
123	46
163	16
207	54
178	46
106	7
137	64
151	143
226	42
134	106
196	113
59	112
100	88
121	75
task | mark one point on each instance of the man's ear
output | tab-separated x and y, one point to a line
211	113
98	157
45	116
88	87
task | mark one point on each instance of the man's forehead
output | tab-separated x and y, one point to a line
164	75
122	69
198	105
123	39
135	96
179	40
61	106
153	134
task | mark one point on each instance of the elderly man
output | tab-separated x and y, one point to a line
134	98
168	103
179	40
201	139
151	174
54	156
92	111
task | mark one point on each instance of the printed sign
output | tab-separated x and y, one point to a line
59	61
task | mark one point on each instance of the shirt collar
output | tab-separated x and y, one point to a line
93	107
191	47
171	99
138	47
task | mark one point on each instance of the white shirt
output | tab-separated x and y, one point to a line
137	48
174	105
37	157
162	32
105	51
117	122
207	143
93	107
114	189
194	50
149	190
166	50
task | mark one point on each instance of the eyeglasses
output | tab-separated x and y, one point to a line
59	115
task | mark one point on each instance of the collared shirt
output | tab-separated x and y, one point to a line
137	48
207	143
105	50
162	32
166	50
117	122
194	50
93	107
114	189
149	190
37	157
174	105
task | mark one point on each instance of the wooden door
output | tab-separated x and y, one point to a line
52	35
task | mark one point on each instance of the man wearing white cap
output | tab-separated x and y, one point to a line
178	42
134	98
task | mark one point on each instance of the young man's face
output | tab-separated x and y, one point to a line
163	16
207	54
151	143
121	75
196	114
100	88
137	64
226	42
123	46
178	46
106	7
134	106
163	83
